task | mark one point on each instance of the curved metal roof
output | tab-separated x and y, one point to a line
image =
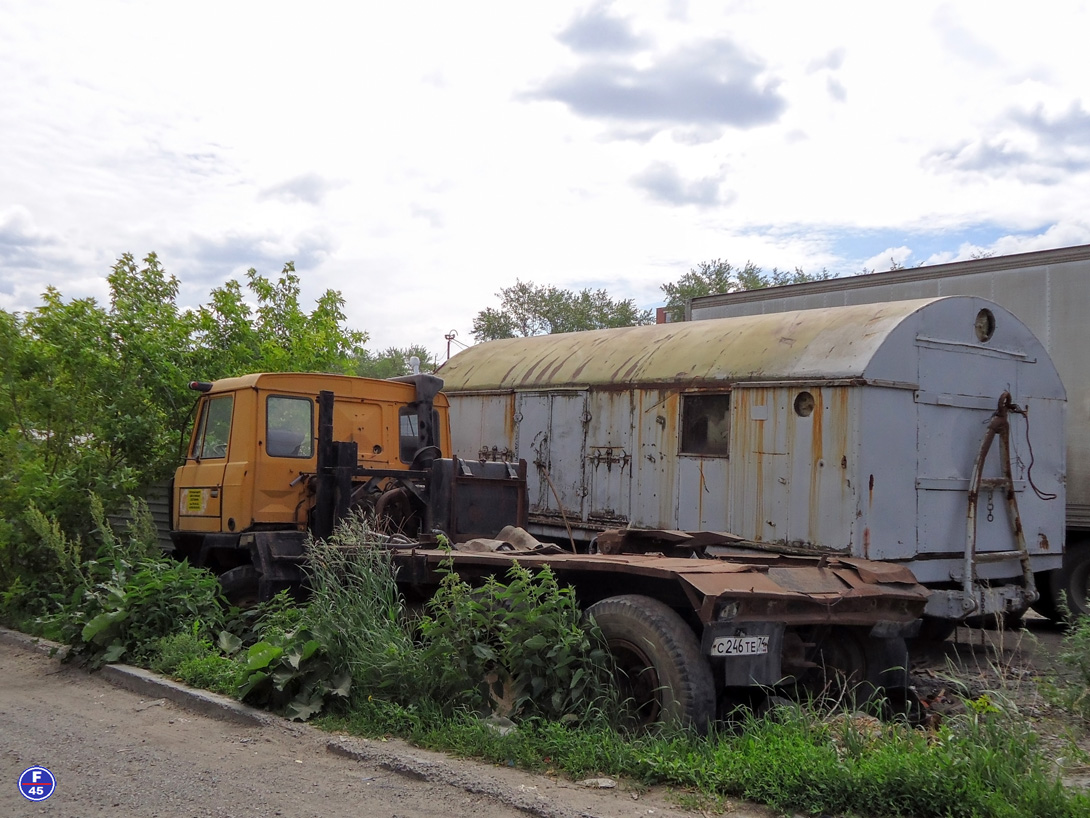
832	343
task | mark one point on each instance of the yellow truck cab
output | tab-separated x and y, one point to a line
275	456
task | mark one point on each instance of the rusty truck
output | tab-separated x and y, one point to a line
276	458
1048	290
925	435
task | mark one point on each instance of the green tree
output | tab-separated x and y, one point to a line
720	276
530	309
93	398
392	362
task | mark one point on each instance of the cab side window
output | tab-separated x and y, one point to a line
409	432
289	426
213	428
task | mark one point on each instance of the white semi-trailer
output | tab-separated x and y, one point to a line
900	433
1049	291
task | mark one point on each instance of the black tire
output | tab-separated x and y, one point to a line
1073	581
241	586
849	665
660	670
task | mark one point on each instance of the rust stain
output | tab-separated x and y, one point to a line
866	543
817	470
509	425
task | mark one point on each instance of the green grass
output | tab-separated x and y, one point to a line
793	760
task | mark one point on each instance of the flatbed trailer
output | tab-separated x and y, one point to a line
701	632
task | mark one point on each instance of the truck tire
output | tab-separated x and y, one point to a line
240	586
660	671
1073	582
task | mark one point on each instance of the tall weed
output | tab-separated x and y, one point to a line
357	609
1072	690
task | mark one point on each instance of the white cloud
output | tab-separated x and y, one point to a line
415	157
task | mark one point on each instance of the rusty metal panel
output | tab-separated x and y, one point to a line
610	456
794	590
482	426
656	414
792	461
552	438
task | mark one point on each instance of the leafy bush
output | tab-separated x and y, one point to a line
269	619
130	606
518	648
292	675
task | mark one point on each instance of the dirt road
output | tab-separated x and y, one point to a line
115	753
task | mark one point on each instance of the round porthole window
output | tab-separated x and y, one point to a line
804	404
985	325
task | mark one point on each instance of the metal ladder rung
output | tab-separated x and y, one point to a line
997	556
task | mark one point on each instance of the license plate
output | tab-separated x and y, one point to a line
739	646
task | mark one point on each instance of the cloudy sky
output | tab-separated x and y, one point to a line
420	156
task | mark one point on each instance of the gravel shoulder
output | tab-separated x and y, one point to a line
120	753
125	742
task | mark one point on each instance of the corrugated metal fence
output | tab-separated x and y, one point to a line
158	500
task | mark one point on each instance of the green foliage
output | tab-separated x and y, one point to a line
128	606
93	397
190	658
1072	690
355	600
720	276
530	309
392	362
292	675
516	648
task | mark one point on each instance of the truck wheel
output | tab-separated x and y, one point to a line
849	665
1073	581
240	586
660	672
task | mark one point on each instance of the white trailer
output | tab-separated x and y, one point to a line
858	431
1049	291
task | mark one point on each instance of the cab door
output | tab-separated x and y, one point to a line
199	483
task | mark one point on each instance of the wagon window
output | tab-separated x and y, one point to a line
705	424
289	426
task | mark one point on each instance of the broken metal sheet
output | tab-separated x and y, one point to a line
879	572
799	589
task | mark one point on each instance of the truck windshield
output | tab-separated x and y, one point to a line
213	428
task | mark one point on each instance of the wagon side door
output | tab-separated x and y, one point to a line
552	438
